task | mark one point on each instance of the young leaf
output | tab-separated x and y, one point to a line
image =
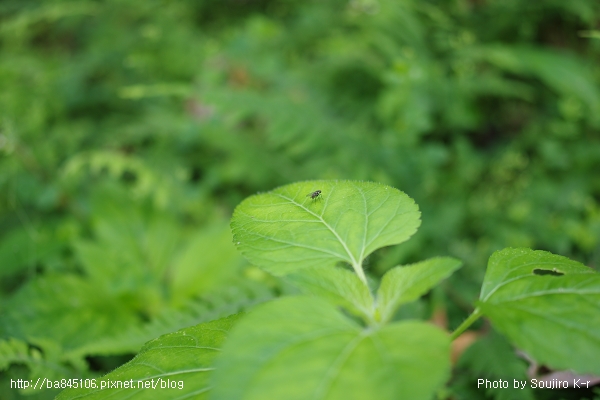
548	305
177	364
407	283
303	348
339	286
287	229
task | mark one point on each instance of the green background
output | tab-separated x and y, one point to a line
129	130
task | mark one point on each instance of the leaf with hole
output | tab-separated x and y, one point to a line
548	305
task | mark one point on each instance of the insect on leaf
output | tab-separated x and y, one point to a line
285	230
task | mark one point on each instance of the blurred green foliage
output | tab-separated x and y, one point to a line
130	129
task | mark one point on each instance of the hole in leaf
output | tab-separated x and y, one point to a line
553	272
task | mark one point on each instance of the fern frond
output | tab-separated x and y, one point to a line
237	297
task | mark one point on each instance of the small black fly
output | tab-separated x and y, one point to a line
314	195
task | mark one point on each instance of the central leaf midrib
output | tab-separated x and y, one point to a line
302	339
366	226
332	373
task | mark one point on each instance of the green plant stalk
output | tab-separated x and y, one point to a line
466	323
372	318
360	272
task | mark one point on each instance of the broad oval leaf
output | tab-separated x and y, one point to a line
304	348
287	229
548	305
174	366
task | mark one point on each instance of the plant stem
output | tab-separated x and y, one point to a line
361	274
466	323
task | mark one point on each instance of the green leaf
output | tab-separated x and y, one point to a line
208	261
182	360
24	247
303	348
337	285
44	359
548	305
238	296
131	247
510	265
407	283
13	351
141	242
564	72
65	309
285	230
